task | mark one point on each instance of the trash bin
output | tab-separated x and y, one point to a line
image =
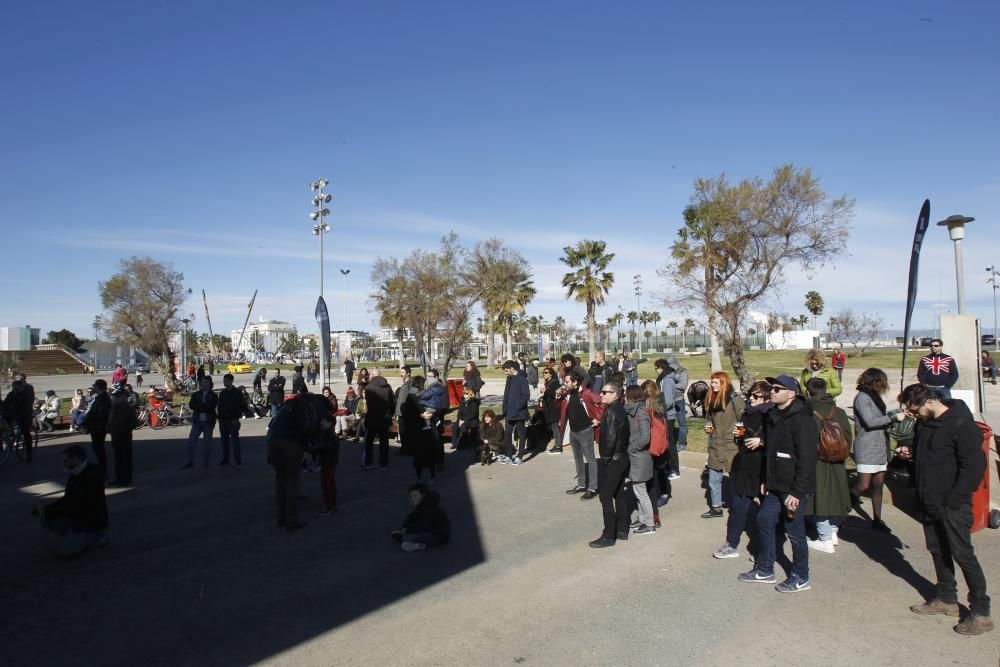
455	393
981	496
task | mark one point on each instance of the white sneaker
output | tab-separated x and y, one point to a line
826	546
516	461
836	536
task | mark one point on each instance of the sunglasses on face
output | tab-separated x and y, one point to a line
605	391
778	387
756	395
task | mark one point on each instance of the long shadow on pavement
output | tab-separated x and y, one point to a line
199	572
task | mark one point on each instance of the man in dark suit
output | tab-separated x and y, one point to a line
203	404
17	409
81	515
96	421
276	391
516	395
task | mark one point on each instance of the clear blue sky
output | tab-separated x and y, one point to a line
189	131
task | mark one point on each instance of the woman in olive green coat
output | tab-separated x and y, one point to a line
831	501
723	407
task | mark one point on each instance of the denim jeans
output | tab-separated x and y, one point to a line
682	421
949	541
582	443
515	428
715	486
739	508
197	429
771	512
643	503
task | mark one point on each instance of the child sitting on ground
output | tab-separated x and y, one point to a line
426	525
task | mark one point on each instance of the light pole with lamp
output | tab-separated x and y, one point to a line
956	232
637	281
344	273
321	227
98	320
184	342
994	275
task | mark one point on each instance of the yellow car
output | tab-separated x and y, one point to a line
239	368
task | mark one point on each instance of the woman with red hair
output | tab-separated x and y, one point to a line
723	408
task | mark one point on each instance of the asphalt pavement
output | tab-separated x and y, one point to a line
198	573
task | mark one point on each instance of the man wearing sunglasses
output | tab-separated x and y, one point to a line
938	371
950	464
790	477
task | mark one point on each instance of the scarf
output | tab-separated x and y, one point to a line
876	399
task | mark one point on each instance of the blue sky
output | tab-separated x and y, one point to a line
189	131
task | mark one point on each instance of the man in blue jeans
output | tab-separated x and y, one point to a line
790	477
203	408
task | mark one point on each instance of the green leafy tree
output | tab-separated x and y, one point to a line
142	302
256	341
589	281
64	337
500	280
290	344
313	346
737	241
632	317
814	304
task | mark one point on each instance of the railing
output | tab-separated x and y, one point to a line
56	347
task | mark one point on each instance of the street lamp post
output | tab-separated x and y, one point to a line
637	281
344	273
956	232
994	275
97	325
321	227
184	342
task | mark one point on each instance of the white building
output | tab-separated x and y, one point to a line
18	338
270	332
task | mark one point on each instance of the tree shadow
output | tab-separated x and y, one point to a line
199	572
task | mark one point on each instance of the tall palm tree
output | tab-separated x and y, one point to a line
589	281
632	318
654	319
558	327
607	336
672	324
510	310
814	304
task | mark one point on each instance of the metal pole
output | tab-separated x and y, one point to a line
958	277
993	280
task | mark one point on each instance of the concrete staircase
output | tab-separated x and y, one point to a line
57	361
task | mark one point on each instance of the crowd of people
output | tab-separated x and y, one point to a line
776	453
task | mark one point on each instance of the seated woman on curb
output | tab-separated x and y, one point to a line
426	525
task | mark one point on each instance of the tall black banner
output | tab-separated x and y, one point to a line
911	289
323	320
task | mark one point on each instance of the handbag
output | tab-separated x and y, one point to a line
901	472
901	431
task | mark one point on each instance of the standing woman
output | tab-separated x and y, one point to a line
552	408
748	467
663	464
471	379
640	462
816	368
723	408
871	442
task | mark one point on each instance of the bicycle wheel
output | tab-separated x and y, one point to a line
141	419
184	415
158	419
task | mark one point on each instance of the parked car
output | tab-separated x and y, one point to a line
138	368
987	340
925	341
239	367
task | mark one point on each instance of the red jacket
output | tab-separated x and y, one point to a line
592	402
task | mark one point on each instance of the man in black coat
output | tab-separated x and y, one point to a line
299	382
950	465
378	420
514	410
789	478
121	423
203	405
230	409
276	391
18	407
613	467
81	515
600	372
96	421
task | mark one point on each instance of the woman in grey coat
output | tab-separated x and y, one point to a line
640	468
871	442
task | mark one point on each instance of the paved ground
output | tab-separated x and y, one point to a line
199	574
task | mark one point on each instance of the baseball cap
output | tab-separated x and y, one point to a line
786	381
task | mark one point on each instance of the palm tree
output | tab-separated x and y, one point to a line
632	318
814	304
510	310
607	338
654	319
558	327
672	324
590	281
688	326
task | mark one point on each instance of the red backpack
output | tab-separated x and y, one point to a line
659	438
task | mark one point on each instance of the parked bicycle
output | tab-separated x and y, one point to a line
12	440
162	412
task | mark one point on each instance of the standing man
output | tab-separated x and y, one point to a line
18	407
349	370
399	401
531	373
96	422
937	371
613	468
230	411
276	391
570	364
950	465
378	420
790	476
121	423
514	410
258	380
599	372
680	406
298	382
582	413
203	404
